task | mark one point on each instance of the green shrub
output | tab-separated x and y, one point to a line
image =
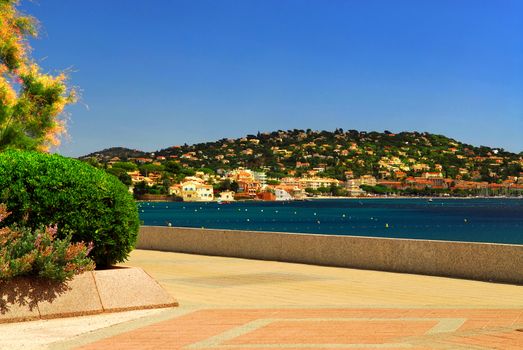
85	202
39	253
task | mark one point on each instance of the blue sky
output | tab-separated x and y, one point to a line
163	72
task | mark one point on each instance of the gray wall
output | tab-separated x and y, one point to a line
481	261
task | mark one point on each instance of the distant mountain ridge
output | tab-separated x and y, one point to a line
121	152
383	154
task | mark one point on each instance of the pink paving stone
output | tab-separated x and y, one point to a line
202	325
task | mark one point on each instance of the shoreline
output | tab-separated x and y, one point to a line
338	198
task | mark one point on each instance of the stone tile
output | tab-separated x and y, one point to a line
18	301
311	332
130	288
321	328
78	297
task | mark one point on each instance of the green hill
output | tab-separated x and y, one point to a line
382	154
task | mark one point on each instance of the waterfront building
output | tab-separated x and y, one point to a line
282	195
193	191
226	196
175	190
249	187
353	185
266	196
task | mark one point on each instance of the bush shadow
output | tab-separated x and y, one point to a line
24	292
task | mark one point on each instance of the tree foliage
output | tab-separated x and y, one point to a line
31	102
84	202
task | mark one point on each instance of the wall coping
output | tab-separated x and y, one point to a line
496	262
93	292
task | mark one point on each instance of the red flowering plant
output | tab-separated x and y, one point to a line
39	253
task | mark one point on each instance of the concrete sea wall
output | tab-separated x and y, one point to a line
479	261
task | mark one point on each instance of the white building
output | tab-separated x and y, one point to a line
226	196
282	195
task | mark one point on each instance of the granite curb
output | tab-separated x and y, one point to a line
95	292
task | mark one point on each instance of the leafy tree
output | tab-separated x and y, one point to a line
126	166
121	174
145	169
31	102
172	166
227	185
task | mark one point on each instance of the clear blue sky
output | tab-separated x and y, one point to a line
164	72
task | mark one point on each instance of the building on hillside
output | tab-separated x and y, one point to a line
193	191
194	179
432	175
317	182
260	177
113	160
368	180
241	174
290	181
398	185
136	177
156	177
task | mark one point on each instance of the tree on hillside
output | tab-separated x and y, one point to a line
31	102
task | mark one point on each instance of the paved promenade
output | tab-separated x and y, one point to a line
228	303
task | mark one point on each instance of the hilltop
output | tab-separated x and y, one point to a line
337	154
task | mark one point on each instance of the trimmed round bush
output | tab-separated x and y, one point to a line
93	206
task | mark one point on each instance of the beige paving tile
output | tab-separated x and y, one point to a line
130	288
207	281
18	300
81	299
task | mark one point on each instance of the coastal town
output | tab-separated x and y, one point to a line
201	187
300	164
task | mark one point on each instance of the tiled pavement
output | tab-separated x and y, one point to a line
245	304
328	329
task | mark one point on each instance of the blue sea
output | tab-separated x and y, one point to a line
472	220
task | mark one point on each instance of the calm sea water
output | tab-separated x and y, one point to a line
473	220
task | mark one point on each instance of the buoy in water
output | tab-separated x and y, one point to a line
386	225
169	224
465	220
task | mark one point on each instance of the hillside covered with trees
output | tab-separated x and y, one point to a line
336	154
